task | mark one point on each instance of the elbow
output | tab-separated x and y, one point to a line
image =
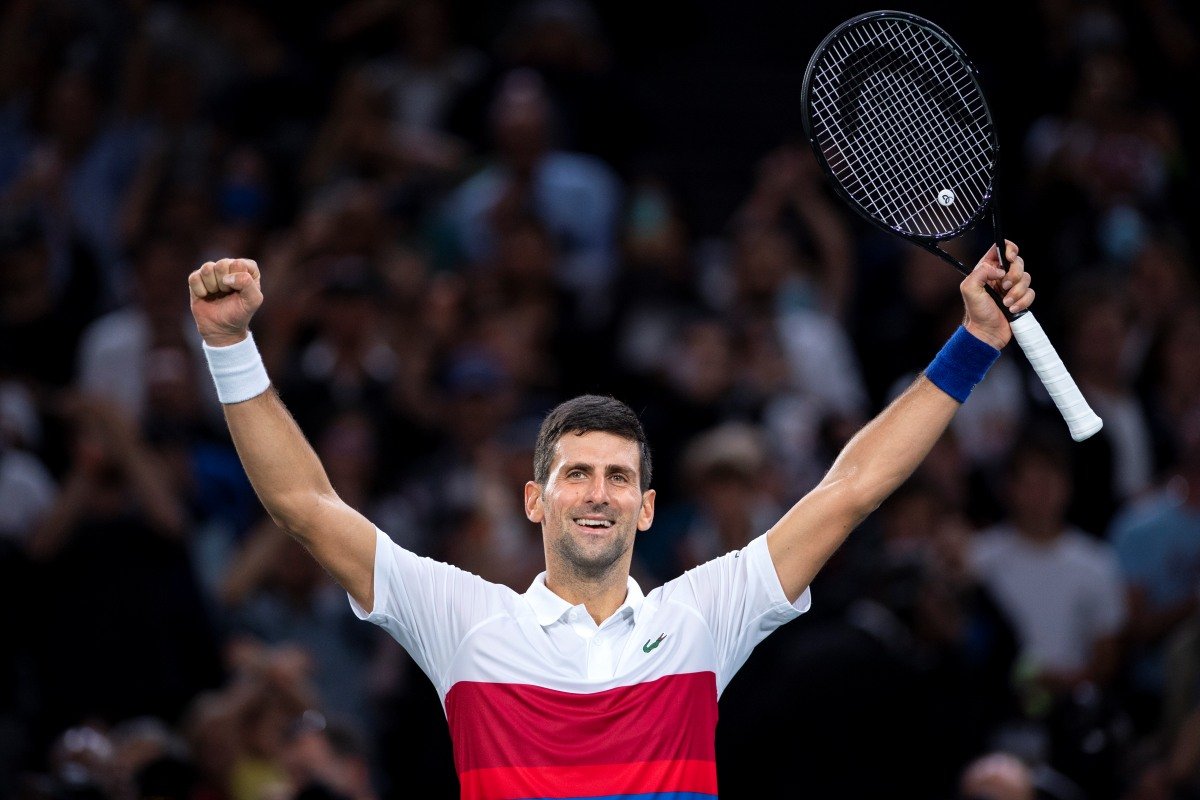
299	516
857	497
287	523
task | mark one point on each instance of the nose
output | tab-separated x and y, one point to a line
597	490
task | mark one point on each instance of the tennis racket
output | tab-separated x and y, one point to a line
895	114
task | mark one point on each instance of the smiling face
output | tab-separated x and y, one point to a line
590	507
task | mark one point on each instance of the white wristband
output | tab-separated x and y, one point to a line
237	370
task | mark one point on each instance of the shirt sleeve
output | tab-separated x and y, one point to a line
741	599
427	606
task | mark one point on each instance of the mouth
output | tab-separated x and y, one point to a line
593	524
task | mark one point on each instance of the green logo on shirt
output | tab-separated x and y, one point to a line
649	645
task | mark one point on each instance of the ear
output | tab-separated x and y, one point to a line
646	512
533	502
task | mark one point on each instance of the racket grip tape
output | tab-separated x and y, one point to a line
1079	416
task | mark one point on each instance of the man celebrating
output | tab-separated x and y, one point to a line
583	686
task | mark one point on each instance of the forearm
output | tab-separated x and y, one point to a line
886	451
875	462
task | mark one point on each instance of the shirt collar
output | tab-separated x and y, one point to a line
549	608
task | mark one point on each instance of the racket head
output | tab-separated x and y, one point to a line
895	114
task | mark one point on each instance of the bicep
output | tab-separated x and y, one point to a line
810	532
881	456
343	541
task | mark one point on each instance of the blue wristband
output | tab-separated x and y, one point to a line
961	364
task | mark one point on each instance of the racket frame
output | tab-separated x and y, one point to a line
988	202
1080	418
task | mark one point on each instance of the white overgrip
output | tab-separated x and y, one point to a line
1080	419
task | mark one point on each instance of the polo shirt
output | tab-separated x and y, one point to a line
543	703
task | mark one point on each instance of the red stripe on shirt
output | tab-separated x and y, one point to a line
505	783
673	718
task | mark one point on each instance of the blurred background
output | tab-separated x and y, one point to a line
468	212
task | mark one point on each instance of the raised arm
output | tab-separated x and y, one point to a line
281	465
884	453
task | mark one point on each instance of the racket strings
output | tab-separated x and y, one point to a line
957	152
962	161
949	158
900	95
903	111
899	119
879	139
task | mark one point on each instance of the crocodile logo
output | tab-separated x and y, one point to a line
650	645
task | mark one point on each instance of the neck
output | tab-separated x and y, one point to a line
600	596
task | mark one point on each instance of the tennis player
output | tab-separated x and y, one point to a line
583	686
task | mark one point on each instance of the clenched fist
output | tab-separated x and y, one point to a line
225	295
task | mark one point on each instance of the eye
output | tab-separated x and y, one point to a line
619	477
575	473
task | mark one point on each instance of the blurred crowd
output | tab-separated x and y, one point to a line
466	215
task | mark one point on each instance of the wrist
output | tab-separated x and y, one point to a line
993	340
961	364
224	339
237	370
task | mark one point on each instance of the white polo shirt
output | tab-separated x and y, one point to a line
543	703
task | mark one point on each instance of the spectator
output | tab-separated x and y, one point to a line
577	197
1060	587
1159	556
1062	591
1162	285
421	77
149	644
120	352
274	599
821	360
35	307
1171	392
347	362
788	195
730	491
84	162
696	391
327	760
565	42
27	489
493	539
1105	160
1117	464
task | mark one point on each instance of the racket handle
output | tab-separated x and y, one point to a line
1080	418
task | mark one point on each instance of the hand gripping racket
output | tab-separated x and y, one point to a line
896	117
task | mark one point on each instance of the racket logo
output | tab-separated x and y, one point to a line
946	197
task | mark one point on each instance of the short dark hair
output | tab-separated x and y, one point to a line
583	414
